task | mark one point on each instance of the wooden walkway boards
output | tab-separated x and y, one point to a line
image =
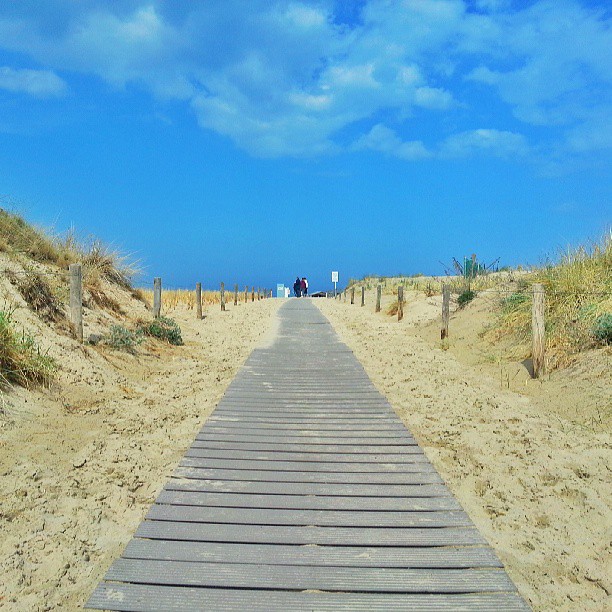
304	491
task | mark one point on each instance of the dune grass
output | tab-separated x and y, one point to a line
21	360
172	298
99	261
578	303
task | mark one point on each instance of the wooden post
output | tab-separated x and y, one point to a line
400	302
445	310
235	295
76	300
157	296
199	301
378	296
246	294
363	296
352	295
252	294
537	325
222	296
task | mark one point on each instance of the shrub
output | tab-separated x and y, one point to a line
465	297
21	360
122	339
38	294
513	301
163	328
602	328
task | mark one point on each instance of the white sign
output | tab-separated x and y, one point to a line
334	277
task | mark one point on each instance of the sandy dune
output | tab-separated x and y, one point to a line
536	484
81	463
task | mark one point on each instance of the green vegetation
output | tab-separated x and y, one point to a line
602	328
578	303
465	297
21	360
122	339
163	328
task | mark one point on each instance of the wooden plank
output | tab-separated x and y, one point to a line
308	448
323	556
326	426
347	459
267	434
289	419
308	477
306	502
362	579
324	440
331	536
136	598
292	488
312	466
319	518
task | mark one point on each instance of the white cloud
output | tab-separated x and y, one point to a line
491	141
433	97
283	78
383	139
38	83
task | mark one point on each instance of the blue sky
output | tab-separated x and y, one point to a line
252	141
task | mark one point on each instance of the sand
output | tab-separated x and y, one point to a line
82	462
535	483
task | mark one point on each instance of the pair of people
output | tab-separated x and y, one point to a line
300	287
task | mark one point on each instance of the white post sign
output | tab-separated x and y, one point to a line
335	281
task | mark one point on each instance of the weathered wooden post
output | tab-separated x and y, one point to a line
400	302
222	296
252	294
445	310
363	296
157	296
352	295
199	300
235	295
76	300
246	294
538	355
378	296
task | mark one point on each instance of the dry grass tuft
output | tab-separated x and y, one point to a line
173	298
17	237
38	294
578	295
21	360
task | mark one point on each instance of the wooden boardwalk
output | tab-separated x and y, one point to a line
304	491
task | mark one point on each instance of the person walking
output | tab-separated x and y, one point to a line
297	287
304	287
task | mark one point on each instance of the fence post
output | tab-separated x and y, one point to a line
235	295
378	296
400	302
199	300
157	296
363	295
222	296
445	310
537	326
352	295
252	294
246	294
76	300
